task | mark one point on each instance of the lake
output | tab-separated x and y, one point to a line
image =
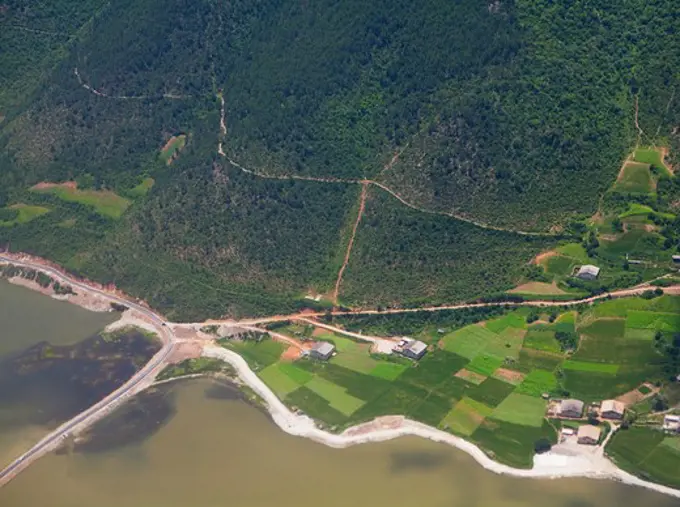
197	443
213	449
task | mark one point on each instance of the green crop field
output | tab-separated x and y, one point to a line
515	320
594	367
538	382
258	354
575	251
647	453
653	320
104	202
639	334
604	329
635	178
466	416
336	396
652	157
485	364
278	381
560	265
491	392
388	371
542	339
468	341
142	189
521	409
296	374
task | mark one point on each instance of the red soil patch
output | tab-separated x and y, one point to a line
291	354
542	257
46	184
470	376
510	376
185	351
318	331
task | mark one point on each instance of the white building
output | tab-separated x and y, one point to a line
588	272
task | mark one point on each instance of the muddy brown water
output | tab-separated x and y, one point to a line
214	450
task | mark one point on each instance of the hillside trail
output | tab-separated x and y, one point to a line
170	96
350	244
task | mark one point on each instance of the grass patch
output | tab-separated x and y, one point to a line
538	288
23	213
296	374
514	320
653	320
521	409
636	209
594	367
388	371
575	251
672	443
336	396
538	382
142	189
652	157
258	354
559	265
466	416
278	381
468	341
491	392
635	178
104	202
315	406
512	444
485	364
605	329
639	334
542	339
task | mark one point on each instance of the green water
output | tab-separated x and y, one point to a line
222	452
28	317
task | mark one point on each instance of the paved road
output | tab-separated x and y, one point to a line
92	413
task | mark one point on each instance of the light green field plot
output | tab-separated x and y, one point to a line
512	320
278	381
538	382
575	251
141	189
485	364
506	344
388	371
604	328
610	369
23	213
296	374
653	320
258	354
466	416
566	318
521	409
336	396
560	265
672	443
635	178
538	289
652	157
468	341
639	334
615	308
542	339
104	202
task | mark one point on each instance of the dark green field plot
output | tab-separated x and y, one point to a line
532	359
559	265
521	409
635	178
388	371
538	382
594	367
315	406
358	385
542	339
491	392
657	321
258	354
512	444
605	328
336	396
485	364
516	320
434	369
652	157
591	386
399	399
466	416
647	453
469	341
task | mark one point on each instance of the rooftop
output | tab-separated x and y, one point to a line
417	347
323	347
612	406
589	431
588	269
571	406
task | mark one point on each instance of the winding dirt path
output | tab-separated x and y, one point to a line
350	244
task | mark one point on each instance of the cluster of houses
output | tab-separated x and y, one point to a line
587	434
407	347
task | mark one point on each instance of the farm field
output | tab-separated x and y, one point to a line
104	202
635	177
485	381
22	213
172	148
647	453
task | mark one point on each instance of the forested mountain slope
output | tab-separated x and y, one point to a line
510	115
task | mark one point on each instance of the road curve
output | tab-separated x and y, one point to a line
100	408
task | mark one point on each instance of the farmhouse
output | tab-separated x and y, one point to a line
588	434
322	351
571	408
676	258
612	409
588	272
413	349
671	423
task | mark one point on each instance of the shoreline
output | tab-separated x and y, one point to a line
551	465
554	464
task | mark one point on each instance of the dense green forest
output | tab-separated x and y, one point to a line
514	114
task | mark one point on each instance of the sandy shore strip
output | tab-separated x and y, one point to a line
551	465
